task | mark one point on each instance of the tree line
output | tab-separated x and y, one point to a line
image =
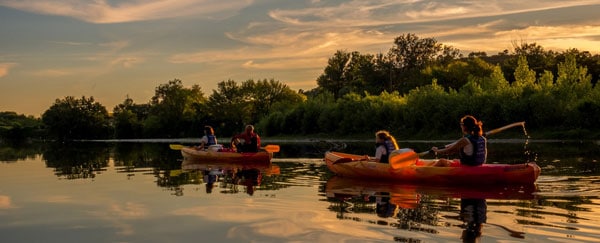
419	88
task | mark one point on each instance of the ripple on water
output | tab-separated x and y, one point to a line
568	186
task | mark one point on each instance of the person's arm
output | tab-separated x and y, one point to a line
234	137
379	152
453	147
203	142
257	142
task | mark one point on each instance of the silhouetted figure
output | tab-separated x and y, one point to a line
473	212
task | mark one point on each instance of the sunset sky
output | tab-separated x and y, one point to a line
111	49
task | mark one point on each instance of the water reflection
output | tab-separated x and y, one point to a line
76	160
226	177
297	199
473	212
418	208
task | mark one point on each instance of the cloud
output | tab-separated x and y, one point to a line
103	11
379	13
116	45
5	202
126	62
52	73
286	50
5	68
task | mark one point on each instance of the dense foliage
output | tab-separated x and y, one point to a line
72	118
17	128
419	88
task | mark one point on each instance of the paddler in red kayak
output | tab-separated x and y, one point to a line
472	148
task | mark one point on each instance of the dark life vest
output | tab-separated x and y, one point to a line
479	152
250	143
212	140
389	147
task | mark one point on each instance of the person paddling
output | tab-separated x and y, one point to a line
250	143
472	147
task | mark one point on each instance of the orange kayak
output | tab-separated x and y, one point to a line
355	166
225	157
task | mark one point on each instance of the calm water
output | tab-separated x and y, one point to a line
142	192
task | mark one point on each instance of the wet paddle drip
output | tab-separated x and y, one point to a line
529	155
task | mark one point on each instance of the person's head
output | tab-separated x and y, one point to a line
208	130
383	135
249	129
472	126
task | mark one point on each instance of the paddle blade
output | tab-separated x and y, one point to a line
403	158
176	146
271	148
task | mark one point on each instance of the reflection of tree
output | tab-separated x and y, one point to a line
425	213
14	152
357	207
77	160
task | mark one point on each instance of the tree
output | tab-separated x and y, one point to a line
235	105
408	57
128	118
585	59
524	77
573	81
228	105
172	109
265	93
538	59
335	76
17	128
72	118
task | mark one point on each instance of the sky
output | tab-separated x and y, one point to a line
114	49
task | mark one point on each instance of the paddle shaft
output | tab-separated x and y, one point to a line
500	129
490	132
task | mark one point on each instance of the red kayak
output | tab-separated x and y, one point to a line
356	166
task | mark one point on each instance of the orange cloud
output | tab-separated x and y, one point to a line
5	67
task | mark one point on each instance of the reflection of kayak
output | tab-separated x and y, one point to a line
350	165
225	156
266	168
407	195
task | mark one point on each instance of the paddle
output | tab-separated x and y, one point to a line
409	157
271	148
497	130
347	160
176	146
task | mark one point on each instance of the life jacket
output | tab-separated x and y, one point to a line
250	143
389	147
479	152
212	140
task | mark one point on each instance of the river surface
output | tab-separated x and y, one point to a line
143	192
